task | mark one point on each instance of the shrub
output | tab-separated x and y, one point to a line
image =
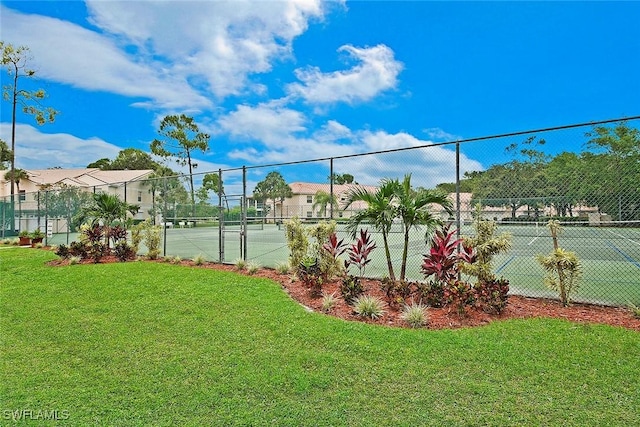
240	264
331	250
492	295
117	234
432	293
78	249
151	239
176	259
396	291
253	267
369	306
487	245
199	259
123	251
635	310
444	259
351	288
310	274
63	251
93	234
564	269
460	294
304	242
136	237
328	301
74	260
321	234
359	252
297	240
415	315
96	251
283	267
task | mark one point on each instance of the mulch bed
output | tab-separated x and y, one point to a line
518	307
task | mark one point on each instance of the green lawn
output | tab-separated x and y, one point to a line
153	344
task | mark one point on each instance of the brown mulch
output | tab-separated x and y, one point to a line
518	307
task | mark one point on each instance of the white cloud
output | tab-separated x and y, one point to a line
73	55
277	134
173	54
219	42
377	71
37	150
266	122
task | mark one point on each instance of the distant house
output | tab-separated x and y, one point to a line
303	200
129	185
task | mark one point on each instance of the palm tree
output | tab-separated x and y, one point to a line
322	199
107	208
15	176
380	212
414	208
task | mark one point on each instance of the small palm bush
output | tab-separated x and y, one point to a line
415	315
369	306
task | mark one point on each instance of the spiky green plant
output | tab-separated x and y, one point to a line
415	314
328	301
369	306
283	267
563	268
240	264
487	245
635	310
199	259
253	267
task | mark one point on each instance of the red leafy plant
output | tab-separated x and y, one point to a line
443	261
445	255
359	252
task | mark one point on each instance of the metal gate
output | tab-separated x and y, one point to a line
232	229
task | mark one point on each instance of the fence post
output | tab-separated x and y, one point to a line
164	218
331	188
220	220
243	211
458	189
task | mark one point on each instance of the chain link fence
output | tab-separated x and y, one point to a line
587	177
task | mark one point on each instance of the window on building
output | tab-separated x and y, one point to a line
309	214
139	196
22	195
309	199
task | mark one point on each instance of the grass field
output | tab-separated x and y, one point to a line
142	344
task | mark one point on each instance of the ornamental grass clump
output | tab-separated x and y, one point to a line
328	301
253	267
415	315
369	306
199	259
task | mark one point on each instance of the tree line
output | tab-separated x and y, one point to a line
606	176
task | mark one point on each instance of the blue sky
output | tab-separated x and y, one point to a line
278	81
